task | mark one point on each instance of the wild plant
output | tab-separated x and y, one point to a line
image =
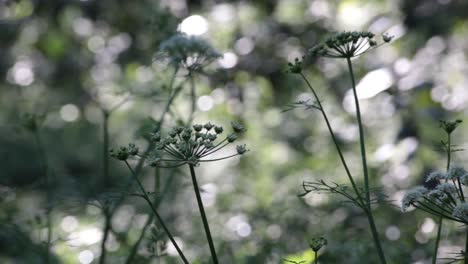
184	146
183	54
344	45
446	200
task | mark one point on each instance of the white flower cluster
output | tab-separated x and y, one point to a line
187	51
446	200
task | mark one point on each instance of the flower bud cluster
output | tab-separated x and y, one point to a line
186	145
123	153
190	145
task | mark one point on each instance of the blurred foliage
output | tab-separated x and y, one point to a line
72	60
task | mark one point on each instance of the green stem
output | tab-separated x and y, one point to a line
43	155
157	201
375	236
105	148
192	96
106	181
466	247
439	228
335	141
370	216
361	134
203	215
107	227
151	146
436	246
155	212
315	257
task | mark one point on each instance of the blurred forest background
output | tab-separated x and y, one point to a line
68	60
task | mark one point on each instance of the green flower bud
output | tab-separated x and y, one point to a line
132	149
238	128
449	126
208	126
218	129
241	149
317	243
155	137
197	128
231	138
387	38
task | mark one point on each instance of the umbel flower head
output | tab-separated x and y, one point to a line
449	126
413	196
187	51
187	145
347	44
317	243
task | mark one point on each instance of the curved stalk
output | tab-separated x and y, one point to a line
139	166
156	214
370	216
203	215
157	201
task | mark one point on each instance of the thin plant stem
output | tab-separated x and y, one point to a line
157	201
144	194
335	141
192	96
361	134
203	215
105	148
315	257
150	147
107	227
106	181
466	246
45	168
370	216
440	220
436	245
